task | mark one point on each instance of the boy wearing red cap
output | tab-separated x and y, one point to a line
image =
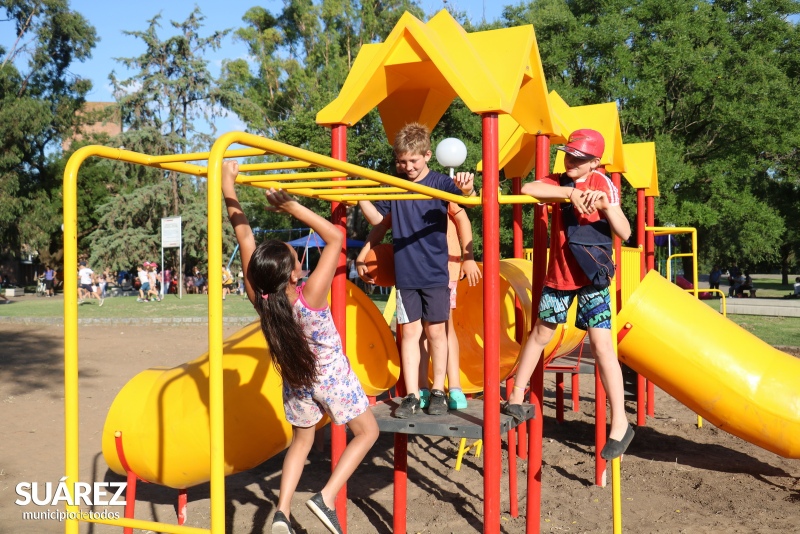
580	265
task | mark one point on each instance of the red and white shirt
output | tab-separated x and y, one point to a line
563	271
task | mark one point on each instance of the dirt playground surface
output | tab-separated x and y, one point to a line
675	477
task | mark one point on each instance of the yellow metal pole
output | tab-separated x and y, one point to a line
70	206
616	494
215	382
616	479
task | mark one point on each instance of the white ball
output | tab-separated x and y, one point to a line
451	152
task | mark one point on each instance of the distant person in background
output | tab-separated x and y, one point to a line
796	287
736	286
144	282
49	281
714	278
227	282
733	273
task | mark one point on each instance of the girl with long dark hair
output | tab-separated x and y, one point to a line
304	346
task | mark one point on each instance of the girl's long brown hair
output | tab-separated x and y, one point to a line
270	269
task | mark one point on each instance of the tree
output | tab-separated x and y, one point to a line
160	106
302	58
39	100
714	84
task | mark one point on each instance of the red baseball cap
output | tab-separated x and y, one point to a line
585	144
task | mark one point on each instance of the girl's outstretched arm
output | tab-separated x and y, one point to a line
241	226
319	283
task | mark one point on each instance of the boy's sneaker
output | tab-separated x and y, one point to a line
424	398
407	408
280	524
438	403
325	514
457	400
101	302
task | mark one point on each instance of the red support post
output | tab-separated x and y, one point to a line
130	488
616	179
651	262
491	329
400	457
521	432
534	503
560	397
576	395
641	382
338	309
183	499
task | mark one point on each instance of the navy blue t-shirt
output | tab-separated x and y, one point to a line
419	233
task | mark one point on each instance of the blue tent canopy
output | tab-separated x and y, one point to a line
314	240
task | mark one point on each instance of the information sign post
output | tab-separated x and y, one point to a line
171	238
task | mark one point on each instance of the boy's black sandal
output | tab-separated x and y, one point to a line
614	448
516	411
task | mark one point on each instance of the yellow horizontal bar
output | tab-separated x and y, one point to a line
517	199
200	156
274	166
355	198
325	188
289	177
149	525
350	169
667	230
349	185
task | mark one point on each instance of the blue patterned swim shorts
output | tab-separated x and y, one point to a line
594	306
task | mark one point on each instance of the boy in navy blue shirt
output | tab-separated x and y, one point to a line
419	234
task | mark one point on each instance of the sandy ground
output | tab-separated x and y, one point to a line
675	477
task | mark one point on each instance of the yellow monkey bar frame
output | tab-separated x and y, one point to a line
336	181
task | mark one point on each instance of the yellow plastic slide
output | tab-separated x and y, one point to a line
716	368
515	282
163	413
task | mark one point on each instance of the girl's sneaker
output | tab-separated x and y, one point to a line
456	400
280	524
424	398
324	514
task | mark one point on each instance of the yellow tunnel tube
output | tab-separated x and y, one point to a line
515	281
163	413
713	366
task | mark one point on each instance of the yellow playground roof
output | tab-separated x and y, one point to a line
605	119
642	171
420	68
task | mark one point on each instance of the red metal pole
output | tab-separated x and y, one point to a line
616	178
560	397
491	329
641	382
338	310
576	396
651	261
183	499
130	488
400	458
534	504
519	252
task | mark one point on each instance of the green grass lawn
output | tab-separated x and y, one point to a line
119	307
772	287
779	331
